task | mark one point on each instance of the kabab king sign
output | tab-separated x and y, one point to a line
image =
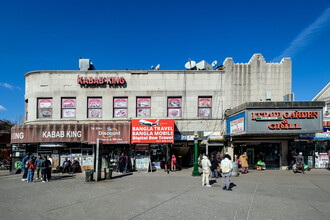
152	131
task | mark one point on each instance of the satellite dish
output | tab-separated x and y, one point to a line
157	67
152	67
214	63
190	65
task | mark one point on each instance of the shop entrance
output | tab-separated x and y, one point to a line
269	153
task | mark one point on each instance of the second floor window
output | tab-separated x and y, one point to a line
120	107
143	107
45	106
94	107
68	107
204	107
174	106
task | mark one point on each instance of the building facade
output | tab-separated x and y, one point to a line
65	108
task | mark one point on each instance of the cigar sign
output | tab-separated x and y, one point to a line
152	131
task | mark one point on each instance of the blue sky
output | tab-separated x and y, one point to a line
52	35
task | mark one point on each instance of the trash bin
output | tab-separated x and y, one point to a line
235	169
89	175
108	173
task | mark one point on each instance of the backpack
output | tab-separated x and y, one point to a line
226	166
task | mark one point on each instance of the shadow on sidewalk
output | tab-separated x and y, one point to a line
121	175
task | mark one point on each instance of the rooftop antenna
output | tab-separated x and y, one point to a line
155	68
190	64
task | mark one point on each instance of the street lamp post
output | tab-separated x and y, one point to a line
195	171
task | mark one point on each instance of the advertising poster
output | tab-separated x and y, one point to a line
143	112
95	113
69	113
174	102
68	103
109	133
152	131
45	103
45	113
174	112
237	125
143	102
204	112
120	103
323	160
120	113
204	102
94	103
142	163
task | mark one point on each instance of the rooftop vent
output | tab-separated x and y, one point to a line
86	64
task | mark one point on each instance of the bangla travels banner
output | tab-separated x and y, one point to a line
152	130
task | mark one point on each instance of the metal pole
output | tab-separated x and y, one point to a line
195	171
97	159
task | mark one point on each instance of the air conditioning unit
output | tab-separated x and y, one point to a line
203	65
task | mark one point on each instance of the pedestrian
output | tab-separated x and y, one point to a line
214	165
226	167
121	163
31	170
38	166
44	169
117	157
25	167
173	163
206	166
244	162
125	163
300	162
49	171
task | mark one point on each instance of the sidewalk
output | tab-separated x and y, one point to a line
178	195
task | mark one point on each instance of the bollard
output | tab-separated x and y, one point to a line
235	169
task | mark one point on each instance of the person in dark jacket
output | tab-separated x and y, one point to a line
25	169
214	165
44	169
38	166
300	162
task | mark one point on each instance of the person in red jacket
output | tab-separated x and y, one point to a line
31	169
173	163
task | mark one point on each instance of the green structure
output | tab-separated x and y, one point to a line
195	171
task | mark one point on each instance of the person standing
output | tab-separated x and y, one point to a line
31	170
25	167
206	166
244	162
214	165
173	163
44	168
300	162
226	167
49	171
38	166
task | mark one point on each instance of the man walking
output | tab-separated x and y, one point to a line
25	167
206	165
244	162
226	167
300	162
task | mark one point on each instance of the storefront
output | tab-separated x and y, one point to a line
73	141
266	130
152	139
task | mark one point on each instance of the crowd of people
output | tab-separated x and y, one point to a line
123	163
42	165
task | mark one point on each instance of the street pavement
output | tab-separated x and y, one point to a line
178	195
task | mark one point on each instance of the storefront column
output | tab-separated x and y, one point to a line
230	150
284	154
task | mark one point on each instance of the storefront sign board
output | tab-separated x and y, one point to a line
109	133
152	131
236	124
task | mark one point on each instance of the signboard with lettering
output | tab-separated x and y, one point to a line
109	133
152	131
236	124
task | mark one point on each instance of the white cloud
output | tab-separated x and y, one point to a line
306	36
8	86
2	108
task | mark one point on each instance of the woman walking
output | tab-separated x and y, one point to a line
173	163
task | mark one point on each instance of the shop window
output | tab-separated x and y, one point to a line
174	106
143	107
68	107
204	107
26	109
45	106
120	107
94	107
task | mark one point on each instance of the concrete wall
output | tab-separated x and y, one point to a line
236	84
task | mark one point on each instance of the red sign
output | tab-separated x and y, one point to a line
152	131
100	80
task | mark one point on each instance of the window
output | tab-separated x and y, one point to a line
94	107
26	109
174	106
68	107
143	107
45	106
204	107
120	107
